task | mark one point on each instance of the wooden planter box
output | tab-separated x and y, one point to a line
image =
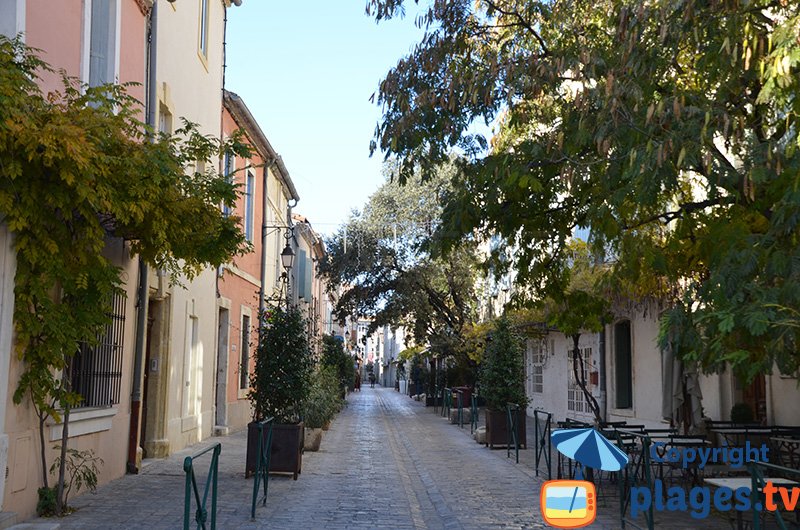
497	431
287	449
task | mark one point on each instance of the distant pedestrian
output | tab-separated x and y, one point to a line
357	385
371	380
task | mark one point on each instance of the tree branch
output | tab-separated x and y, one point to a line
689	207
524	23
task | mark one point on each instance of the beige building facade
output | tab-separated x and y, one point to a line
180	363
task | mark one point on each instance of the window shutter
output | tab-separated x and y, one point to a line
309	279
301	273
102	43
623	365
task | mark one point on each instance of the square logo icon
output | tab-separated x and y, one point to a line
568	503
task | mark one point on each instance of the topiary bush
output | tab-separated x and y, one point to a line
323	399
334	355
281	381
502	370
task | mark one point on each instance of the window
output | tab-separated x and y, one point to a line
538	356
96	370
576	401
534	365
244	353
227	171
102	42
249	202
164	120
623	367
203	41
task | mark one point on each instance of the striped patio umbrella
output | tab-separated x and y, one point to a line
590	448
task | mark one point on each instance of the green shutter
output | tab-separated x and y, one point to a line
309	279
301	273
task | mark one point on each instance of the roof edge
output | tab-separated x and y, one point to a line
244	118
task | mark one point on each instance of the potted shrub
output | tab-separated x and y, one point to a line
334	356
322	404
742	414
279	386
502	381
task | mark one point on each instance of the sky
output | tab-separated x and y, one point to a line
306	71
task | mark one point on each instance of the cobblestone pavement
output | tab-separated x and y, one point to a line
387	462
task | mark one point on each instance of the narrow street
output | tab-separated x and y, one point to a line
387	462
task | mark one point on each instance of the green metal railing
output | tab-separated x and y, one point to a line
447	402
201	513
512	413
543	447
460	407
759	483
436	398
473	413
636	474
263	454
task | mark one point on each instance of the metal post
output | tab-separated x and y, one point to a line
511	428
215	471
187	499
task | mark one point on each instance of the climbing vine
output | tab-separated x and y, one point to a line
77	168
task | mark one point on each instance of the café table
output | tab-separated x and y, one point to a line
734	483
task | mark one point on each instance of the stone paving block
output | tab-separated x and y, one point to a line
387	462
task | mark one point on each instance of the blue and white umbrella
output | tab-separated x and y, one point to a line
590	448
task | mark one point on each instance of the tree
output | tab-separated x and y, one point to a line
381	262
76	169
582	307
670	130
281	380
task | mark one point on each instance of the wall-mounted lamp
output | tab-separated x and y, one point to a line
287	258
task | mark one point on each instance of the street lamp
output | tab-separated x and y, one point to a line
287	257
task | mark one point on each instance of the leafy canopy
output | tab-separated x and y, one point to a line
76	171
380	260
669	129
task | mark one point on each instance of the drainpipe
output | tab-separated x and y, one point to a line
142	302
602	375
291	203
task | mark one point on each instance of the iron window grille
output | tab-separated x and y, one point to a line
96	369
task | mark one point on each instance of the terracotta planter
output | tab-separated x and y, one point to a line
313	439
497	430
287	449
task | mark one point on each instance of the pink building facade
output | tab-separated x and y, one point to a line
95	42
267	194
